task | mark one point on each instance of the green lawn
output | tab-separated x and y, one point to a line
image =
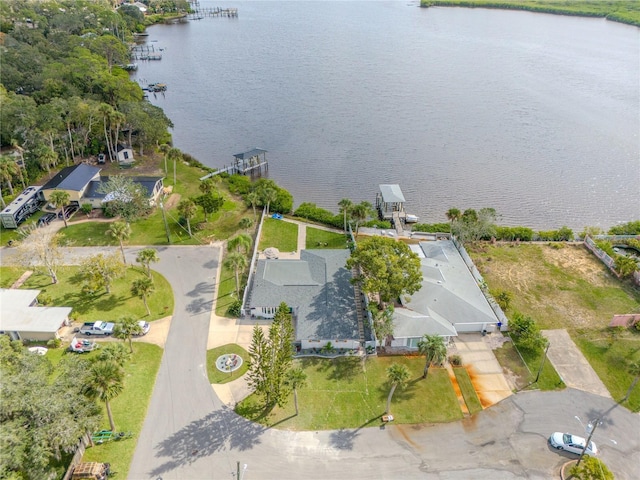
215	375
9	275
609	358
129	410
468	392
565	286
345	393
103	306
226	293
317	238
279	234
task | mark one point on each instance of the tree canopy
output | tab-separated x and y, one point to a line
388	268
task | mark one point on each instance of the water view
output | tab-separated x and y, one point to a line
535	115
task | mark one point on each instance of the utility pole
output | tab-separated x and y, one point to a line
166	225
594	424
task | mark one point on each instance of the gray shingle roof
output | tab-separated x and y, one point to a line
317	287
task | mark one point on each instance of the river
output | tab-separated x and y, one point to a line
535	115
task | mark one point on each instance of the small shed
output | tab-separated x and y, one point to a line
125	154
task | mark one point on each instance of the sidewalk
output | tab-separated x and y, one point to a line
573	368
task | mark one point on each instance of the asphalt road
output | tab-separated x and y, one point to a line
189	434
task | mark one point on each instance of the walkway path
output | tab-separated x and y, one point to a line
571	365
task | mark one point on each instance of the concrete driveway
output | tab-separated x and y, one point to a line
571	365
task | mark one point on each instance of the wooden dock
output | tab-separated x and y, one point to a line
198	12
249	162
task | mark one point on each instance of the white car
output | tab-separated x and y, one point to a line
572	443
144	326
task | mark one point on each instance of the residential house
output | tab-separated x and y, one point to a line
74	180
449	302
22	319
317	288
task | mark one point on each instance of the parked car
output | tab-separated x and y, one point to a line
97	328
145	327
572	443
46	219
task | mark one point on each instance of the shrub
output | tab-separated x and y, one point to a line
235	308
526	333
238	184
605	246
455	360
591	468
510	234
311	211
44	298
629	228
377	224
54	343
432	227
86	208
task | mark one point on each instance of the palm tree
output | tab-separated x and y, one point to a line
240	243
269	195
120	231
434	351
60	199
142	288
146	257
245	223
208	185
453	214
105	382
345	207
398	375
174	154
238	262
253	198
187	209
296	378
360	213
125	328
164	148
8	170
107	111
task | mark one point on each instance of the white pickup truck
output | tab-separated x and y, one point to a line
97	328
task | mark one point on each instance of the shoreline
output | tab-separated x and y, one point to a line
552	8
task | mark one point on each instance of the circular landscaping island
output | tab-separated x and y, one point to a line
226	363
229	362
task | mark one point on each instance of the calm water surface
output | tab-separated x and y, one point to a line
535	115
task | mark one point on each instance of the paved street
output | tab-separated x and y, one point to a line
189	434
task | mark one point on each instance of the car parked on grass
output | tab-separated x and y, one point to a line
572	443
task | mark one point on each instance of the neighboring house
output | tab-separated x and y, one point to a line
152	185
449	302
22	319
318	290
82	182
74	180
125	154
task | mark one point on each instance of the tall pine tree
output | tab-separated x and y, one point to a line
270	359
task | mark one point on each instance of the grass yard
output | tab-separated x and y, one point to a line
609	358
468	392
9	275
129	410
565	286
215	375
317	238
103	306
279	234
347	393
226	293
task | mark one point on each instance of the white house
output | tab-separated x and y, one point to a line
449	302
22	319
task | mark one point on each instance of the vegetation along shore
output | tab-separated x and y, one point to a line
620	11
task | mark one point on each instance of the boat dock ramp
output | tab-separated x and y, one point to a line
390	206
198	12
249	162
